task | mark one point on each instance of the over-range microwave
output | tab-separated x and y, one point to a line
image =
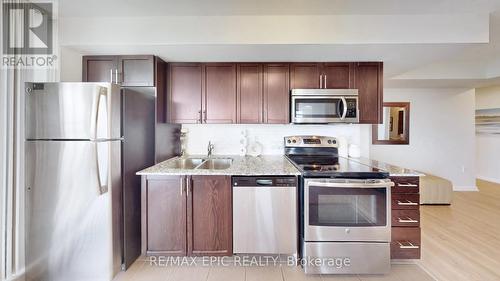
322	106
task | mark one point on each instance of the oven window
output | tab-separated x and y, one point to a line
317	108
350	207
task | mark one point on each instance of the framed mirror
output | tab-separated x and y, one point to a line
396	126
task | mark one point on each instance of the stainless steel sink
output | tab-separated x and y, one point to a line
187	163
216	164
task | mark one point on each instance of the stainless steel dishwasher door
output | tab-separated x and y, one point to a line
265	216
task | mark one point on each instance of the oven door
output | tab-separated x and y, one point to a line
318	109
347	210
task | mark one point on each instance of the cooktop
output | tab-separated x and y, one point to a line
317	156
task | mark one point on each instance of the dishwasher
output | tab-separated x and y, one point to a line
265	215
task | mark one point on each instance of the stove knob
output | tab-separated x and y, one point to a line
294	141
288	141
347	231
334	141
329	141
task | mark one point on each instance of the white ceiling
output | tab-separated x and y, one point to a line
140	8
405	65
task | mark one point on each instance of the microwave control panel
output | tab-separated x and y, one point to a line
352	108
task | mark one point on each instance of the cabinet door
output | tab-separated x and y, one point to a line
219	105
99	68
185	91
161	90
163	216
338	75
249	98
368	81
276	94
305	76
137	71
210	216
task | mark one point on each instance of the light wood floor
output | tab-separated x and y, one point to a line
462	241
459	242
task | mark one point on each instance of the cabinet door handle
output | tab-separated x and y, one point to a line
205	116
111	75
116	76
324	81
182	186
199	115
407	203
188	187
407	220
321	81
407	185
407	245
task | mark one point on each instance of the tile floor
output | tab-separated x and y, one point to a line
142	270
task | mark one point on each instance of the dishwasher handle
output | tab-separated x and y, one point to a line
264	182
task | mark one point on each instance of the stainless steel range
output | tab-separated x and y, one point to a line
345	210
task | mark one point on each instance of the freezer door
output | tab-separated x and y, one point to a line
84	111
71	210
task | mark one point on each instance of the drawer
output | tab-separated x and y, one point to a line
405	201
405	184
406	218
405	243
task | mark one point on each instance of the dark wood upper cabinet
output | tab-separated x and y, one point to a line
276	93
305	75
252	93
334	75
164	221
185	85
249	93
99	68
338	75
130	71
210	216
369	82
219	99
137	71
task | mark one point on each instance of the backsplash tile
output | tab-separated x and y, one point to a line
226	137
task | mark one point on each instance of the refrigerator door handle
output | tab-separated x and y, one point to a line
102	165
99	128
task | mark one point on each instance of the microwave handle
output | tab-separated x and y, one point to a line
345	108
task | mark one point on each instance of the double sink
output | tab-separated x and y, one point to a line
203	163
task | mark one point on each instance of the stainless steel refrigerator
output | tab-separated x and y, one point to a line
84	143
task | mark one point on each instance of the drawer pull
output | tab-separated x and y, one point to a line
407	185
407	203
408	220
407	245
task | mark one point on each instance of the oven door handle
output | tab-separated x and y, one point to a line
350	185
344	101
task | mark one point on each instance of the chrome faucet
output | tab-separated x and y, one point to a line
210	149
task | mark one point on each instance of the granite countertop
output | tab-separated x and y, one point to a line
272	165
394	171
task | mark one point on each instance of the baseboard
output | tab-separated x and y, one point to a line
490	179
465	188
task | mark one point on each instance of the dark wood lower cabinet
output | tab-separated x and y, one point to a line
210	216
164	221
405	240
186	215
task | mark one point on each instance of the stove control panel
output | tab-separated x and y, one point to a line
311	141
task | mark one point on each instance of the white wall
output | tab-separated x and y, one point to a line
442	135
488	97
226	138
488	146
70	65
